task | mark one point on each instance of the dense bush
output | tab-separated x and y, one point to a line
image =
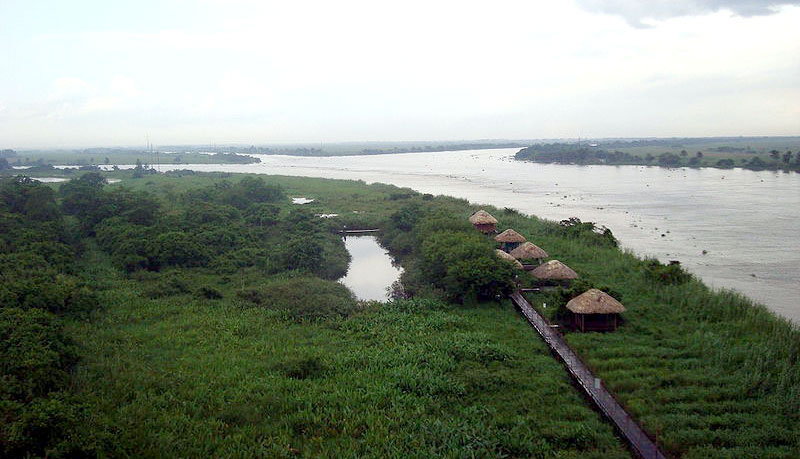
444	256
303	298
35	359
588	232
671	273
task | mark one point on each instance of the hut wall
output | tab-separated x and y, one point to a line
595	322
486	227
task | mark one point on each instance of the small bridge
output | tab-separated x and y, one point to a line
636	437
357	231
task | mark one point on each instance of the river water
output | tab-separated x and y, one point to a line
746	221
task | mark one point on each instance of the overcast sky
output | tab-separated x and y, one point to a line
90	73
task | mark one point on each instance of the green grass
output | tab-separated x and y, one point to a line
183	376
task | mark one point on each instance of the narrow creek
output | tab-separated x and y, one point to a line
371	270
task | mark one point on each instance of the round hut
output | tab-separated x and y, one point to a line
594	310
483	221
503	255
509	239
529	251
554	271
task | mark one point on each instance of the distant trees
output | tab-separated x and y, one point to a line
567	153
669	160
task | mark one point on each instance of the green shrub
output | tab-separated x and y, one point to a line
303	298
35	356
302	367
209	293
670	274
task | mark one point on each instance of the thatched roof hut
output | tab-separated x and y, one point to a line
509	239
510	235
528	251
554	270
509	258
483	221
594	310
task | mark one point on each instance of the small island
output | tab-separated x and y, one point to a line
755	153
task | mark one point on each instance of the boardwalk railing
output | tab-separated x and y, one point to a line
592	386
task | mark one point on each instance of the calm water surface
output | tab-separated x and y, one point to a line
371	271
747	221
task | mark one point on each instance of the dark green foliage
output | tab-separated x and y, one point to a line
262	214
726	163
671	273
669	160
757	163
169	284
177	248
34	354
209	293
302	367
35	359
303	298
574	154
587	231
303	252
405	218
86	198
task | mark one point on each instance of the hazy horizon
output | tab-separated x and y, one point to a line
91	73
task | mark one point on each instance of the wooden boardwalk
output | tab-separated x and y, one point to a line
594	389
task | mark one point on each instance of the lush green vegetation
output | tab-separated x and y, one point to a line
779	153
195	314
204	330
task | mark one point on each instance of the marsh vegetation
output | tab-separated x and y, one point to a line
198	314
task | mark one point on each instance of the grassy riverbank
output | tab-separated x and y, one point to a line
208	326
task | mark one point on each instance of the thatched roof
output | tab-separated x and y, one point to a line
482	217
528	250
594	301
554	270
507	257
510	235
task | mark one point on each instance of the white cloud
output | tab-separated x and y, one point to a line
641	13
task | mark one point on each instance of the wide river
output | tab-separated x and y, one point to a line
734	228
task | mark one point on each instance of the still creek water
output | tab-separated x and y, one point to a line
371	270
746	221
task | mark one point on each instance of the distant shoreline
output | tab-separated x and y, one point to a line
757	154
